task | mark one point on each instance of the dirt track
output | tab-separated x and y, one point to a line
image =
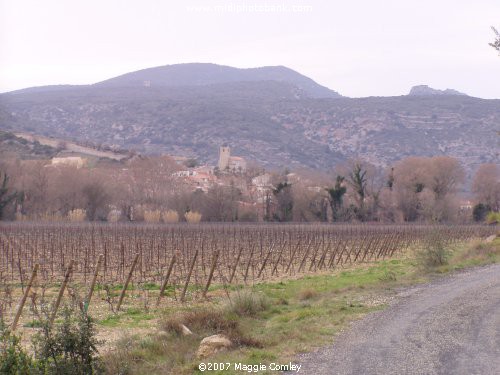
449	326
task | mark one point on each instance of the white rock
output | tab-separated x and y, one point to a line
185	330
213	344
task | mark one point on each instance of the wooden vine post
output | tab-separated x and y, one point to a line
24	297
165	282
125	286
233	272
265	261
248	264
92	284
183	295
212	270
69	270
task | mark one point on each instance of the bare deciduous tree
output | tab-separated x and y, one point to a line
221	203
486	186
424	187
446	175
309	203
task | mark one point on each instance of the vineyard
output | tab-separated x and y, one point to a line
188	256
186	262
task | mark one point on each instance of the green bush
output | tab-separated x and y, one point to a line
13	359
493	217
70	348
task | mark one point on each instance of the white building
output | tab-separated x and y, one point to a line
73	161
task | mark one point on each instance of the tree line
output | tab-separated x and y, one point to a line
414	189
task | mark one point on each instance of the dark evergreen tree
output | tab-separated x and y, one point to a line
6	197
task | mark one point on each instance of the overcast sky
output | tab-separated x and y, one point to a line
356	47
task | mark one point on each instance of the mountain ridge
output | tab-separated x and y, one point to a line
274	123
206	74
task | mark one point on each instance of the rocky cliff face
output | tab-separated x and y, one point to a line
424	90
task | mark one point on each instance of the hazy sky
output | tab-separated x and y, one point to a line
359	48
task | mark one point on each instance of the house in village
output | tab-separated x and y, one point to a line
202	181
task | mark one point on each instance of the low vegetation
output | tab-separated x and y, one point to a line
297	315
266	321
434	252
69	348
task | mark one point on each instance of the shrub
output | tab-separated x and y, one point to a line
248	216
71	348
493	218
20	217
77	215
152	216
170	217
192	217
114	216
13	359
434	251
248	303
389	275
137	213
51	217
480	211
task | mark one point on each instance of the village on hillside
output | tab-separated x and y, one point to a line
136	187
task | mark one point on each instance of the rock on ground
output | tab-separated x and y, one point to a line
213	344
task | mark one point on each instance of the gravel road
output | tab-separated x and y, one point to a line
449	326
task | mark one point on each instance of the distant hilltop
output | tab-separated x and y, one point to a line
202	74
424	90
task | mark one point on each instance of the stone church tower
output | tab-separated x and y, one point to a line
224	155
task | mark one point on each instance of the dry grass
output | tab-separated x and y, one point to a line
207	321
306	294
152	354
152	216
482	250
192	217
170	217
198	321
247	303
